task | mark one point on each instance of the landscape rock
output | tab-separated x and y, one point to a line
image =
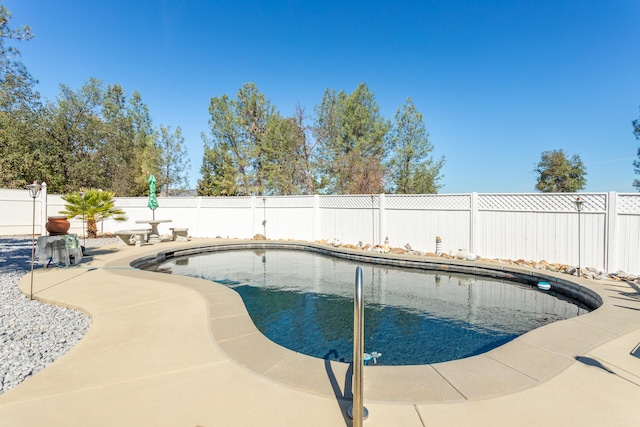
32	334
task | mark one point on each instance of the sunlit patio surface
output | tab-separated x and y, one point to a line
166	350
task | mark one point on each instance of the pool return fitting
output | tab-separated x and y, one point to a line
357	411
374	355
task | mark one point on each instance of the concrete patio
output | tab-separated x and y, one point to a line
167	350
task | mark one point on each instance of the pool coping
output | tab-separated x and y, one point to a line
527	361
150	358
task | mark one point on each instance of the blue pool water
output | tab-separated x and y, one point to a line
304	301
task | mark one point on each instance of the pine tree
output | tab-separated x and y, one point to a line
411	168
237	128
351	142
174	161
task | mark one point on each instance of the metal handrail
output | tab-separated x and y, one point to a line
357	411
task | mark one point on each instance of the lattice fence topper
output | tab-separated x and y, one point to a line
123	202
428	201
553	202
365	201
629	204
164	202
226	202
177	202
284	201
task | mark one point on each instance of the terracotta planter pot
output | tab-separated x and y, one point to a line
57	225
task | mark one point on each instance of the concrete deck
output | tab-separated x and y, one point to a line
166	350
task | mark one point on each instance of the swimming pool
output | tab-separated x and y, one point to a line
304	301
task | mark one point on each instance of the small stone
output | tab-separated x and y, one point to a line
32	334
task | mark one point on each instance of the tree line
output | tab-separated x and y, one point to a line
98	136
93	137
347	147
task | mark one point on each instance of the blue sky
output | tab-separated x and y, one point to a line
498	82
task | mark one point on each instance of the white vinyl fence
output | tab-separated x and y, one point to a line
510	226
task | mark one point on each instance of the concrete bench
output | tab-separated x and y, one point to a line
133	237
180	234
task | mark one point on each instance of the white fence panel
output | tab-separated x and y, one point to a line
228	222
223	217
350	219
511	226
286	223
627	234
350	225
543	226
420	228
628	248
417	220
538	236
287	217
16	213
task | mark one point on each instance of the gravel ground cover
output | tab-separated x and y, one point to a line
32	334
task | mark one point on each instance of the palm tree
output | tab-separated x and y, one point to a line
96	206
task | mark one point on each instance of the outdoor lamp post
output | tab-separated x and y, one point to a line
578	204
84	231
34	191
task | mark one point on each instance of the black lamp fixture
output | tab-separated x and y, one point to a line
34	192
578	204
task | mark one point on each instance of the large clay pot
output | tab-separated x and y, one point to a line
57	225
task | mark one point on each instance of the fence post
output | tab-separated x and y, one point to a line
253	216
43	208
316	218
611	234
382	218
198	216
473	223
